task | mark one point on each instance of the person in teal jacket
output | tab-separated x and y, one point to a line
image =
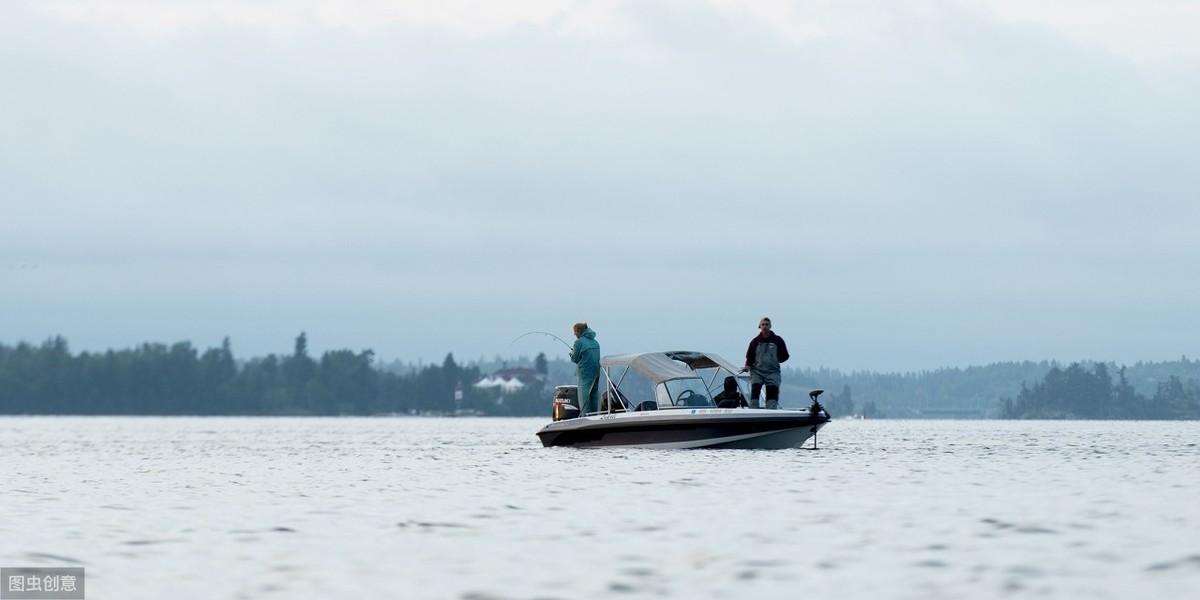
586	355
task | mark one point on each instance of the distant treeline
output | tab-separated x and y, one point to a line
970	392
1078	393
965	393
179	379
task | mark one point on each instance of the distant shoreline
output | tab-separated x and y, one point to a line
179	379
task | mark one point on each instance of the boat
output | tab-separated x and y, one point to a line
665	400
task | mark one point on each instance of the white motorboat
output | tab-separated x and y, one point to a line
665	400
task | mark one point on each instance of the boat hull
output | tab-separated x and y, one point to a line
703	428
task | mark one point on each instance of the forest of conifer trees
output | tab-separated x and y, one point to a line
179	379
1079	393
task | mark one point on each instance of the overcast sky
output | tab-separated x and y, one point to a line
899	185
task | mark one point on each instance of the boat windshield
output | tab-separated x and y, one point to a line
678	393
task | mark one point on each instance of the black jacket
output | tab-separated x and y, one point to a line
780	348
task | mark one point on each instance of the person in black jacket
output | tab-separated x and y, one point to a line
766	352
730	397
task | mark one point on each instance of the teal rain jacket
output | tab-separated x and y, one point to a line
586	355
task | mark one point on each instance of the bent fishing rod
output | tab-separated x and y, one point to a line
560	340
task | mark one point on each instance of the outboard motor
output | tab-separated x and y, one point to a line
566	401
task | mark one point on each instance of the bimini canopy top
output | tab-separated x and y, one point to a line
664	366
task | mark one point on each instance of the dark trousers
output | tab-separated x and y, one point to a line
772	395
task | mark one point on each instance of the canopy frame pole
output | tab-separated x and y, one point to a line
716	371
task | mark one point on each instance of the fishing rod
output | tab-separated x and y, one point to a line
560	340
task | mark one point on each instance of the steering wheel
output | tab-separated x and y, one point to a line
684	396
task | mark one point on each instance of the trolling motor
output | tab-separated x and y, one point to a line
816	406
815	410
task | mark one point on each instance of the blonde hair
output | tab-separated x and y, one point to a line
579	327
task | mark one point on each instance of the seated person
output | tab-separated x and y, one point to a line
646	405
731	396
618	406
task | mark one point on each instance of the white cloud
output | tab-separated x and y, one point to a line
1157	30
163	18
1153	30
379	173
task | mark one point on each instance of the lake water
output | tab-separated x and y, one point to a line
477	509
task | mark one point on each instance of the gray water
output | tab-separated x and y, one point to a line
476	508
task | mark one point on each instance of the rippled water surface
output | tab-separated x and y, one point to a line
476	508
